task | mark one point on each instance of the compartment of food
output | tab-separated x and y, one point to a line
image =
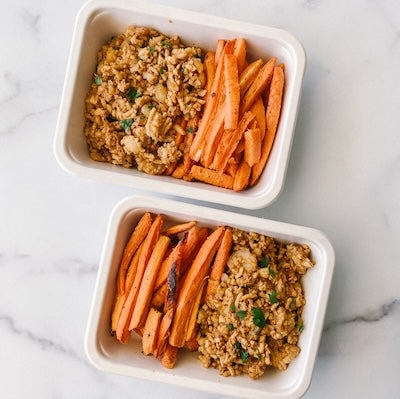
150	103
196	291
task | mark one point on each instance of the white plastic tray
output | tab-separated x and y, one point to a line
99	20
107	354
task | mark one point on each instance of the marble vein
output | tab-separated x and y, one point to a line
370	316
15	85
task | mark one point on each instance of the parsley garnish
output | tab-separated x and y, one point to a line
259	356
197	56
230	326
263	263
152	48
241	314
299	327
244	355
182	70
161	70
133	94
165	43
190	130
237	345
97	79
233	307
151	106
272	297
258	317
126	124
271	271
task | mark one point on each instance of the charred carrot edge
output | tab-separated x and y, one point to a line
232	91
209	67
138	235
122	330
168	358
190	286
252	146
179	228
211	177
242	176
149	278
272	119
150	331
259	111
259	84
240	51
247	76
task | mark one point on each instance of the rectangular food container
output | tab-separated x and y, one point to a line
107	354
98	20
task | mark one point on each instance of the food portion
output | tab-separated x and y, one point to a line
234	296
145	82
169	109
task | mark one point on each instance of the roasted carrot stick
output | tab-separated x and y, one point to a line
252	146
138	235
209	66
248	75
122	330
192	244
219	50
240	52
232	91
179	228
179	138
261	81
150	332
168	358
242	176
191	325
149	278
272	119
211	177
231	169
190	286
259	111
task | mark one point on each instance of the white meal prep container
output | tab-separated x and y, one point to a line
107	354
98	20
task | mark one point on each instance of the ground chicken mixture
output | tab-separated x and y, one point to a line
144	82
254	320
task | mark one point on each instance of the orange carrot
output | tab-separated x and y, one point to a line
231	169
149	278
219	50
179	138
247	76
240	51
272	119
168	358
209	66
192	244
211	177
242	176
252	146
232	92
134	242
191	325
259	111
261	81
190	286
150	331
179	228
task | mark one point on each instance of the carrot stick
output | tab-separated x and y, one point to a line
219	50
252	146
168	358
150	331
147	284
211	177
191	285
121	298
138	235
259	111
192	343
230	141
191	325
159	296
231	169
122	330
242	177
232	91
272	119
179	228
209	66
239	50
192	244
261	81
247	76
180	136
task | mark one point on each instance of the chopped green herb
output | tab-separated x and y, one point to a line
230	326
197	56
299	327
259	356
241	314
233	307
126	124
161	70
152	48
97	79
133	94
293	303
182	70
151	106
258	317
271	271
244	355
190	130
165	43
237	346
272	297
263	263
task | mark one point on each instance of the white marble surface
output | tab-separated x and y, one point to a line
343	178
